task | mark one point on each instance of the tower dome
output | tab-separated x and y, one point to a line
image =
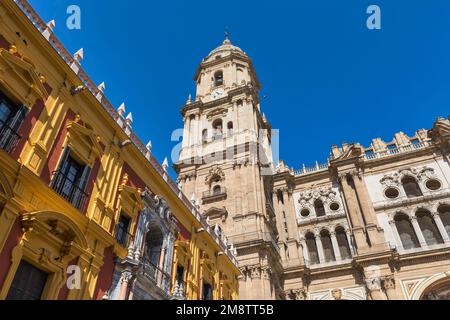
223	50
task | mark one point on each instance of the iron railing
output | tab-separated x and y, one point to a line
156	275
8	137
123	237
69	190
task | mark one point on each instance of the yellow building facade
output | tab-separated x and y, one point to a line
86	210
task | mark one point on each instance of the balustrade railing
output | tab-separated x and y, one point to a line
156	275
214	193
8	137
69	190
394	151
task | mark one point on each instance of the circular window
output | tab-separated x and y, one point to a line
391	193
304	213
334	206
433	184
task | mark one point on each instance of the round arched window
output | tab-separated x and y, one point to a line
305	213
433	184
334	206
391	193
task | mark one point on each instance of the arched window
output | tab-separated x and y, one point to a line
344	246
218	78
205	135
312	249
154	243
327	246
444	213
320	209
217	190
280	197
406	231
217	128
230	128
411	187
428	227
240	76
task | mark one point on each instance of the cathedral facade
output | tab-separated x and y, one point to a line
371	223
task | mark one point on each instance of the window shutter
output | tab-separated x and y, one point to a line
15	122
84	178
63	162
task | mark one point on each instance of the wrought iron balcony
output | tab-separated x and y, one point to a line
69	190
156	275
8	137
123	237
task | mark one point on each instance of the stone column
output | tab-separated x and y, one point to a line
186	132
350	242
161	267
398	240
373	284
305	251
291	219
125	279
320	248
441	227
418	232
368	212
337	252
364	199
354	213
389	287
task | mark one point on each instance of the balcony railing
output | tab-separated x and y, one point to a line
215	193
69	190
394	151
156	275
8	137
124	238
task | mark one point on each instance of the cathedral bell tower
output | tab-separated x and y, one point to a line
225	165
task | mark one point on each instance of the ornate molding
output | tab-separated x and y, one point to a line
215	174
395	179
297	294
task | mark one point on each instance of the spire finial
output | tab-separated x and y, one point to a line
227	36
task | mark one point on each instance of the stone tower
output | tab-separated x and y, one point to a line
225	165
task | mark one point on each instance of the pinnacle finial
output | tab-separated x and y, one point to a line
227	37
121	109
165	164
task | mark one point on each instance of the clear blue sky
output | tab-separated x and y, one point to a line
328	78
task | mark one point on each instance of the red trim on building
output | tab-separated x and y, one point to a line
4	43
27	126
133	179
105	275
64	292
57	149
5	256
185	235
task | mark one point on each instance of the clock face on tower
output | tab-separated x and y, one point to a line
217	93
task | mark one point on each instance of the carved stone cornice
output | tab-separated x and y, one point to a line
297	294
